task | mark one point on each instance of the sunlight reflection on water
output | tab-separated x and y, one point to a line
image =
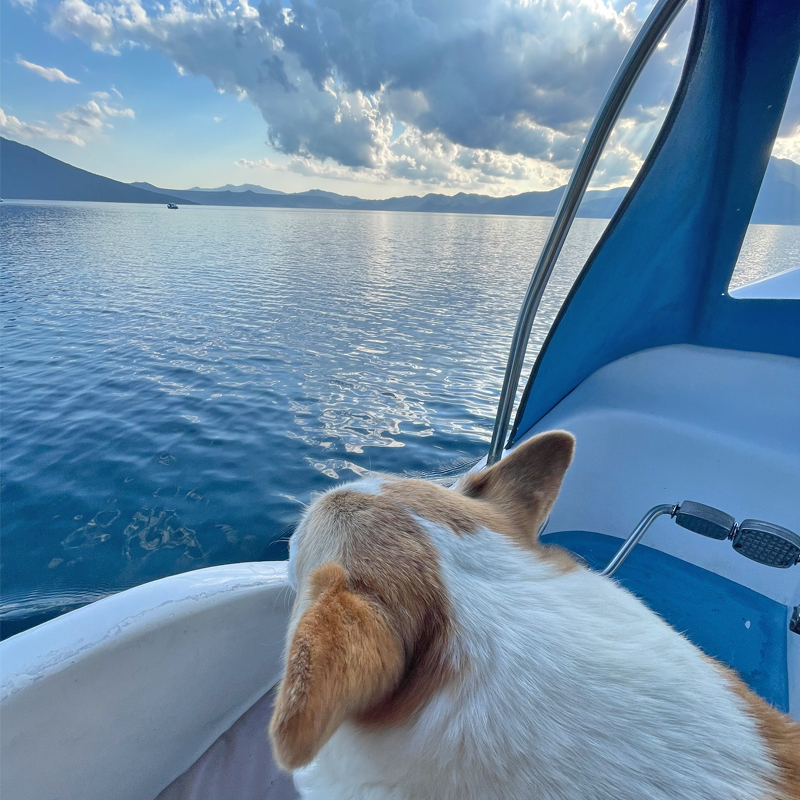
176	386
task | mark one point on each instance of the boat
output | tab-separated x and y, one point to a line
173	206
683	398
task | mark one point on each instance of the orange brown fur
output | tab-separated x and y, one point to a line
525	485
779	731
373	638
513	497
390	565
465	515
343	656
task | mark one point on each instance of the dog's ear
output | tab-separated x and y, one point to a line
342	659
525	483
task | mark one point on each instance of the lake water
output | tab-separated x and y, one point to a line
176	385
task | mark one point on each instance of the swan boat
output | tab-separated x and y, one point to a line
683	396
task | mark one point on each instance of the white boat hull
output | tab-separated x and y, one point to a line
119	698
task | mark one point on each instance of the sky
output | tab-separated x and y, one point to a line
375	98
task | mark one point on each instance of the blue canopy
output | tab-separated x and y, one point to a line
659	274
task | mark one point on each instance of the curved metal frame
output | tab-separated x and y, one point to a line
638	532
649	36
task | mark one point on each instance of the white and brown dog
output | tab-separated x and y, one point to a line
438	651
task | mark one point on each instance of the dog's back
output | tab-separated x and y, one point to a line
437	650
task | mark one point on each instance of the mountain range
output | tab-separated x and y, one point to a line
229	187
27	173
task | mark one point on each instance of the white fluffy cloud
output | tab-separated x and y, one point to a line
431	160
17	129
455	92
76	125
48	73
787	145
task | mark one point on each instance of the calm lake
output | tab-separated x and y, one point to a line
176	385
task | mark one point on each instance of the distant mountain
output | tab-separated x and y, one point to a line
146	186
242	187
601	204
208	197
778	202
29	174
341	199
530	204
779	199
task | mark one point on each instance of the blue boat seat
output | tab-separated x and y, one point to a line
729	622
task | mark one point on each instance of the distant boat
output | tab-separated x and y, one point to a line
172	205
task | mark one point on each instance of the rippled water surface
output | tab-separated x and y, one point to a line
176	385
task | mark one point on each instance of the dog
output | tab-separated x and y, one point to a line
438	651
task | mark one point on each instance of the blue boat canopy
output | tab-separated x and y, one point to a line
659	275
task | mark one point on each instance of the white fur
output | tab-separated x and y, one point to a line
569	688
371	485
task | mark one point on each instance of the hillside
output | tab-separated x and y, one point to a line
242	187
247	197
29	174
779	200
595	204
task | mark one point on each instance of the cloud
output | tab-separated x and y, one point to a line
28	5
91	117
433	159
77	124
218	119
115	111
428	160
787	144
16	129
81	20
48	73
466	90
264	163
108	110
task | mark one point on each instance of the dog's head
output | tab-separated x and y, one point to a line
372	626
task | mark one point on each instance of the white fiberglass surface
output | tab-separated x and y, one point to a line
119	698
783	286
686	423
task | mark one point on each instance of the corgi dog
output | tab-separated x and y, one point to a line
438	651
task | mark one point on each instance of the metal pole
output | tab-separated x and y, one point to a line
638	532
645	43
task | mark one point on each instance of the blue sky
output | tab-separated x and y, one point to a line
368	97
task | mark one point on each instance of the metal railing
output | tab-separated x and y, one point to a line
638	532
649	36
756	539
